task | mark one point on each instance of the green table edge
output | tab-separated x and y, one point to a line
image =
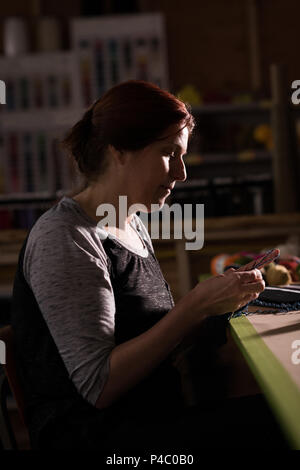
271	376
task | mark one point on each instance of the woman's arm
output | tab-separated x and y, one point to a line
133	360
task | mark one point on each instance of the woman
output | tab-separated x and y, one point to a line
94	319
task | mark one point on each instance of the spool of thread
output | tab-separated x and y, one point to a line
48	35
15	37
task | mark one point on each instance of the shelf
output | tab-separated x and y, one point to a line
288	222
12	236
227	157
21	197
232	107
198	183
9	259
39	119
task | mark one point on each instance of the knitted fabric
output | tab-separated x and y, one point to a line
277	300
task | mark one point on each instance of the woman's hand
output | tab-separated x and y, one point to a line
224	293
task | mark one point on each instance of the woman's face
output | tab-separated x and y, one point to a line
153	171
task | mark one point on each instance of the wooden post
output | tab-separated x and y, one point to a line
284	174
35	8
255	63
183	267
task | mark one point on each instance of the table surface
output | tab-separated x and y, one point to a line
270	344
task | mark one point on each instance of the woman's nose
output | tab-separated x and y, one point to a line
179	170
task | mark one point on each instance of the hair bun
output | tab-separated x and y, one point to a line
77	140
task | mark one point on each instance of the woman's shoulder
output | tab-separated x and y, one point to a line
63	224
64	215
62	235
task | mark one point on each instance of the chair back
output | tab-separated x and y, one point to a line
6	335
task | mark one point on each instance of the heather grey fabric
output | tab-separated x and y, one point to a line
66	267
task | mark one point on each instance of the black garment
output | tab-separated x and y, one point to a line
142	298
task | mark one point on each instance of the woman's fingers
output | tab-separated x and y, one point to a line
249	298
251	284
252	287
229	291
228	271
249	276
246	300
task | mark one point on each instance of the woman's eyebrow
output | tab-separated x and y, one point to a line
177	147
181	149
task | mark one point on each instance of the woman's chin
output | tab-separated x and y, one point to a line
154	205
158	204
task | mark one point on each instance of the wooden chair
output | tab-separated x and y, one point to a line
9	382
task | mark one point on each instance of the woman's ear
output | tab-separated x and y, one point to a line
118	155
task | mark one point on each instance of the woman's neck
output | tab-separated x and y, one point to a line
91	198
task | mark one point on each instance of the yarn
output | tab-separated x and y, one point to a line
278	300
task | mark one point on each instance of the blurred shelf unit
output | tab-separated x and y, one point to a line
33	168
119	48
235	107
42	102
46	93
230	158
105	51
229	162
31	157
228	196
39	82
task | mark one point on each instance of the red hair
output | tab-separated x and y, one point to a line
129	116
